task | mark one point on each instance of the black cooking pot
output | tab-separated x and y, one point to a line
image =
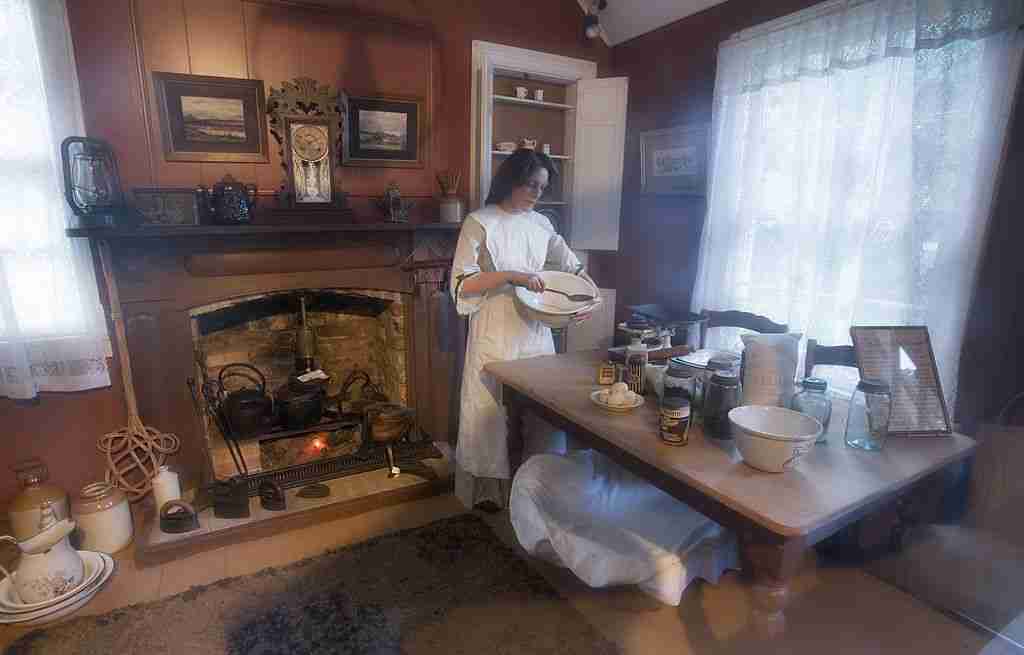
301	404
247	410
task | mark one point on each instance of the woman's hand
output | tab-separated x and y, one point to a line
531	281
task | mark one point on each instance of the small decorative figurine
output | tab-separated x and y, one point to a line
396	209
229	202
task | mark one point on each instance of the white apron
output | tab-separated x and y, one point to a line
494	240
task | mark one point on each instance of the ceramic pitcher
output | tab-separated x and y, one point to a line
49	566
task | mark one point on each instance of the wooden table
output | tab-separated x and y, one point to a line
776	516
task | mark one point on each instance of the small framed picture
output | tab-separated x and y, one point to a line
385	132
211	119
902	356
168	207
674	161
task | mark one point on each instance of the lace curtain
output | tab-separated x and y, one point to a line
52	331
855	151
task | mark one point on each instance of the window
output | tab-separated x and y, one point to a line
52	333
855	149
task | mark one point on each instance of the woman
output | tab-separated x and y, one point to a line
502	246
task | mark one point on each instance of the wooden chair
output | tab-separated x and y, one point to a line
827	356
737	319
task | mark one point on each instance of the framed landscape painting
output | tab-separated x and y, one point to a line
674	161
211	118
385	132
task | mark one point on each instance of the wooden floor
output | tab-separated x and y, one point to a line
836	611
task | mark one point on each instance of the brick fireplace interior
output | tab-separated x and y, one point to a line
356	330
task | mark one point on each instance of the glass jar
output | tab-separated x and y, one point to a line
678	380
868	423
721	395
675	419
722	363
813	400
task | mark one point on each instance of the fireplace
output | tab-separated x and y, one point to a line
358	334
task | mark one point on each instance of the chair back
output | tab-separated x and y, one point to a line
827	356
737	319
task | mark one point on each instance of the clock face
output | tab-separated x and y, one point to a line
309	142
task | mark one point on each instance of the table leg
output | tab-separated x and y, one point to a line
771	567
514	418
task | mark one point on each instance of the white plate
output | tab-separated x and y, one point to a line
68	606
598	398
9	602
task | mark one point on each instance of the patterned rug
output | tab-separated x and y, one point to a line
449	588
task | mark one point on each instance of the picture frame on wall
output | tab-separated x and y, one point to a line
674	161
211	119
388	132
166	207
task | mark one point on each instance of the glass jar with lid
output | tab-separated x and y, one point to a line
721	395
868	423
678	380
813	400
724	363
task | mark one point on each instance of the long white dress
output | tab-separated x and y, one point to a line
495	240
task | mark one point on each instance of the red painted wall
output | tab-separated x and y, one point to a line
273	42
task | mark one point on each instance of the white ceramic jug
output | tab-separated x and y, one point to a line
48	567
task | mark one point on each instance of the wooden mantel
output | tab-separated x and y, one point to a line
252	229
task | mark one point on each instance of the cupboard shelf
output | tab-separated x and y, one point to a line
526	102
499	153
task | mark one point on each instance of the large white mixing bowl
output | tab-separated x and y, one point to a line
773	439
555	310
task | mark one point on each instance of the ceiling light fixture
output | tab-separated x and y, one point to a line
591	23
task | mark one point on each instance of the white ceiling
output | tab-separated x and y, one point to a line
624	19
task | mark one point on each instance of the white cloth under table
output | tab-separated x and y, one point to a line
585	512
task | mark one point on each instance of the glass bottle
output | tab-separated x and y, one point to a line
868	423
721	395
813	400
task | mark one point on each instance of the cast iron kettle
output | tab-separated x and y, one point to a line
248	411
301	404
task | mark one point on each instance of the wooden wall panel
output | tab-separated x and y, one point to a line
164	38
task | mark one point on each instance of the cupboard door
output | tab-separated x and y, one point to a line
599	138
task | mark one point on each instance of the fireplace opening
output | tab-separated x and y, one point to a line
353	332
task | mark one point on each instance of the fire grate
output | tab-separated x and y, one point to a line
338	467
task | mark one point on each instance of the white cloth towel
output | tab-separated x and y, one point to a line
584	512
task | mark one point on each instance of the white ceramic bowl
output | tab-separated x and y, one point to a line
773	439
552	309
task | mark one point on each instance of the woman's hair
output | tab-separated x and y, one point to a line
515	172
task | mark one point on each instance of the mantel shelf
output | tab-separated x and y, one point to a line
163	232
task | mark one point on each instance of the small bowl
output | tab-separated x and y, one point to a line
773	439
554	310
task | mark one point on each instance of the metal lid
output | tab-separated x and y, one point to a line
725	380
873	386
815	384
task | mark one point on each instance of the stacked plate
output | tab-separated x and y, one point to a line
98	569
555	310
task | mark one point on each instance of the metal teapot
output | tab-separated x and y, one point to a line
248	410
229	202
